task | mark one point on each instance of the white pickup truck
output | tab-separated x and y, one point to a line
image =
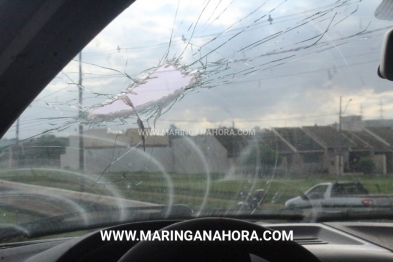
339	194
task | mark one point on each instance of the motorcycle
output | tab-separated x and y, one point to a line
251	201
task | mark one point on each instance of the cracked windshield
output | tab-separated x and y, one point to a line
270	110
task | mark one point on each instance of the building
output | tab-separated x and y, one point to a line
307	156
124	152
303	150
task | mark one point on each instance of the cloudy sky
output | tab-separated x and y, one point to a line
261	63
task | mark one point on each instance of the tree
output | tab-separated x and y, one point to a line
44	150
262	156
50	146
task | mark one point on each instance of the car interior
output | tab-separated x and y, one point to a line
60	216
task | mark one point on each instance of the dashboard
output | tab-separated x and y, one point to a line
327	241
64	38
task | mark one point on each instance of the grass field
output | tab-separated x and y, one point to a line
188	189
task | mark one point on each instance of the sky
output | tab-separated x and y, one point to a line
272	63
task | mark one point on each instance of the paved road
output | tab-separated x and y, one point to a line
53	201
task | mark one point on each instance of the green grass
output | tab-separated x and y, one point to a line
191	189
7	217
188	189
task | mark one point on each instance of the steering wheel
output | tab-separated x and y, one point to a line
217	250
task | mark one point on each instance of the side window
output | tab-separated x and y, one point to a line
317	192
348	189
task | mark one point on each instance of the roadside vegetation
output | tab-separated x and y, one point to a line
223	193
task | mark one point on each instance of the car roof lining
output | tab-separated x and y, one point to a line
40	41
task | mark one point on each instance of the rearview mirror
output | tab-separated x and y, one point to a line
385	69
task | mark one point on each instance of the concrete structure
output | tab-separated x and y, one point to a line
305	150
308	153
199	155
316	149
124	153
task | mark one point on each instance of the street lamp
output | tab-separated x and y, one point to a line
340	135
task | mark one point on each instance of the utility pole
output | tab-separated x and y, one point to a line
17	131
340	140
81	151
380	109
17	151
